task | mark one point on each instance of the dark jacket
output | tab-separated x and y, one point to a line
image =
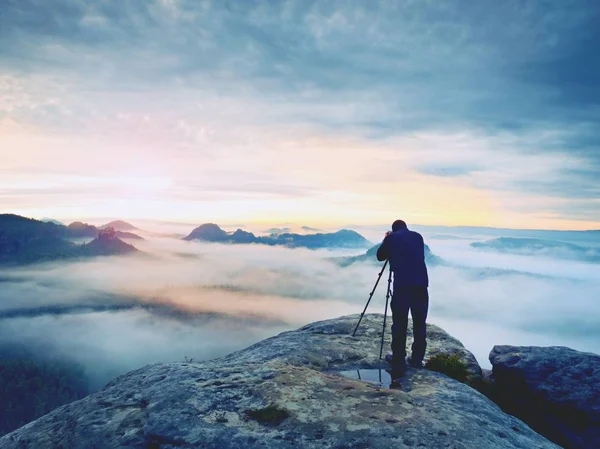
405	250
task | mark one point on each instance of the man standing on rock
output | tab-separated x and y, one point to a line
405	251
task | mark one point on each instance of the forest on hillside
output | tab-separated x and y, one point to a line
32	385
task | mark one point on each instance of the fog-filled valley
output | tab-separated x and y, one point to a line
176	300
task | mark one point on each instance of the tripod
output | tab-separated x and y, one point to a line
387	299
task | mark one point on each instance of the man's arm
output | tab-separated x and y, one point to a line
383	250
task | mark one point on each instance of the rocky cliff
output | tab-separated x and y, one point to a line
285	392
555	389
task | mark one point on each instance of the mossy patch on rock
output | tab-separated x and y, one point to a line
269	415
449	364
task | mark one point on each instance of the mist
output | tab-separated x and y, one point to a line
178	300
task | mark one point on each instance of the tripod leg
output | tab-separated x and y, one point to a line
370	297
387	300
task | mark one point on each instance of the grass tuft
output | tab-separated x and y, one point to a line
270	415
449	364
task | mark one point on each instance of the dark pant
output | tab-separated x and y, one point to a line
415	299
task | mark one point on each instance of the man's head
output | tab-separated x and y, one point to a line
398	225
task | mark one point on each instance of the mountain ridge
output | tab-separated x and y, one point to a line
371	256
344	238
540	247
119	225
78	229
26	240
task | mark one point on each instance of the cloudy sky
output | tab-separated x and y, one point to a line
311	112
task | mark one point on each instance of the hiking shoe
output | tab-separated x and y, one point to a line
414	363
390	359
396	384
396	372
396	369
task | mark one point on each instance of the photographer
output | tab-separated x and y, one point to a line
405	251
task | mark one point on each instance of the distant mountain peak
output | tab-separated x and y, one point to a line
209	232
526	246
241	232
120	225
371	256
344	238
346	232
108	233
52	220
80	225
77	229
210	226
107	243
24	240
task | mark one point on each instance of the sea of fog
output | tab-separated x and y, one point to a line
179	300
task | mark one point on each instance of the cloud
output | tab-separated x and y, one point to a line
191	299
244	91
443	62
446	170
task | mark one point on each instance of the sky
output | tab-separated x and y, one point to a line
321	113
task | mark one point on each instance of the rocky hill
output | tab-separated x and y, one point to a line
120	225
208	232
555	389
78	229
107	243
289	391
540	247
51	220
433	260
344	238
371	256
25	240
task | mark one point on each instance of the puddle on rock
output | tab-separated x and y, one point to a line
378	377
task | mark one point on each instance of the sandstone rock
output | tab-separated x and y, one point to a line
554	389
337	350
284	392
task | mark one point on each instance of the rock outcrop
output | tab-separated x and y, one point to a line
556	390
107	244
285	392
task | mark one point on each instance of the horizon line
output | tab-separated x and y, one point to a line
288	224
